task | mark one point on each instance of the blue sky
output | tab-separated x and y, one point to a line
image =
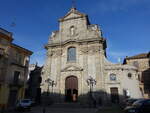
125	23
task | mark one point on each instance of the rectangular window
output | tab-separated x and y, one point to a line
16	77
72	54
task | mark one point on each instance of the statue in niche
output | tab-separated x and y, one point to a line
72	30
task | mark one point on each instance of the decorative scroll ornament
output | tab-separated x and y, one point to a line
90	50
56	52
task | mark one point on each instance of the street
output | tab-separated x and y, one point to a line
70	108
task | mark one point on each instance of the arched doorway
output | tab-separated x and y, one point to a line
71	89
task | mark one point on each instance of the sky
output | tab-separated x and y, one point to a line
125	24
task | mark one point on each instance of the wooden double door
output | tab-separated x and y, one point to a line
114	95
71	89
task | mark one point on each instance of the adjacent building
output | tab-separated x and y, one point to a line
142	63
77	69
33	90
14	62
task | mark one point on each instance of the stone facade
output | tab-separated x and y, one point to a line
14	62
75	31
142	62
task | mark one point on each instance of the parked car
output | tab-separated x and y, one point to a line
24	104
130	101
139	106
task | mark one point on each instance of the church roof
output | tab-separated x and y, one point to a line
139	56
72	11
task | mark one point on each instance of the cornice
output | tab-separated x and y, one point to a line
75	41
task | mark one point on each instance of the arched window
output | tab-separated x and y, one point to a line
113	77
71	54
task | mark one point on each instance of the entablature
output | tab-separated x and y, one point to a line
83	41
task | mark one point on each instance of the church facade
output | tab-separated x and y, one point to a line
77	69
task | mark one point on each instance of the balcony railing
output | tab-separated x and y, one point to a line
17	83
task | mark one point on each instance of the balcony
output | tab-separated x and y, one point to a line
18	83
18	64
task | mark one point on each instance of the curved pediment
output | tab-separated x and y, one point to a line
72	68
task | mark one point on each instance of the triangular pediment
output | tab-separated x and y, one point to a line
73	13
71	68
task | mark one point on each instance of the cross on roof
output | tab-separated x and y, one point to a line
73	3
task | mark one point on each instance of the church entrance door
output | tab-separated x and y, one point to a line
71	89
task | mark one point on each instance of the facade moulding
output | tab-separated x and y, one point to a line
75	41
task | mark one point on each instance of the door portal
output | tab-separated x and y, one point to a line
114	95
71	89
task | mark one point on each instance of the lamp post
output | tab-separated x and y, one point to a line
51	83
91	82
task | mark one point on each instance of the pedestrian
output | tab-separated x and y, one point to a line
2	109
44	110
94	103
100	101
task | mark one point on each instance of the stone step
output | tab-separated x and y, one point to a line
67	105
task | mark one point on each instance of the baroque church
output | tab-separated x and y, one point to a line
77	69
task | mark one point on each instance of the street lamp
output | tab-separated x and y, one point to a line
91	82
51	83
